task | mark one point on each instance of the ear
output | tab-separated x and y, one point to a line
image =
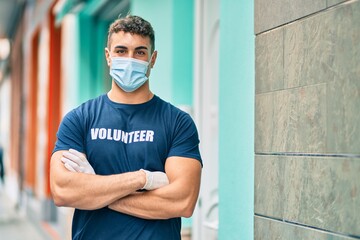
107	56
153	59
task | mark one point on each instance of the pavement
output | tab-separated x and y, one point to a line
15	225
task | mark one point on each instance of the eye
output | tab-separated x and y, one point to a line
141	53
120	51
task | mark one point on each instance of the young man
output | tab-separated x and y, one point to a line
128	161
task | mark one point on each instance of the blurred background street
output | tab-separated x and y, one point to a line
16	225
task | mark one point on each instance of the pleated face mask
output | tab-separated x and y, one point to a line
128	73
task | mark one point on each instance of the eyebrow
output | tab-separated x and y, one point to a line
137	48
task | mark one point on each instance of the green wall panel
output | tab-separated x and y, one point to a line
236	119
159	14
183	38
93	74
85	43
103	78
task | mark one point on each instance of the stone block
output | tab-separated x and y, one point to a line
308	53
323	47
343	121
269	61
343	92
321	192
269	186
328	196
273	13
292	120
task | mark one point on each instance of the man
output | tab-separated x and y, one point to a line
127	161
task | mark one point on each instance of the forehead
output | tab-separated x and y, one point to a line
129	40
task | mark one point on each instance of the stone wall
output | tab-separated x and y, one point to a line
307	119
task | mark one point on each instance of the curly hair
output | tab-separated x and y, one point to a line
134	25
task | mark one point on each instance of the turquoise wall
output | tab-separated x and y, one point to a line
183	40
173	22
102	77
236	119
84	58
159	14
93	75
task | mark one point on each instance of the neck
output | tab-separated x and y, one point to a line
140	95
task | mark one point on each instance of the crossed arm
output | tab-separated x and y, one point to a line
178	199
118	192
89	191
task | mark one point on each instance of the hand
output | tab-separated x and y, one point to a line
154	180
75	161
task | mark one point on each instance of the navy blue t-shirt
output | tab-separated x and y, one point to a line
119	138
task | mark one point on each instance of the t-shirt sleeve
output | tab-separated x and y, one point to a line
186	139
70	133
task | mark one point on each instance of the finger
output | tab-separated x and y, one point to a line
78	154
68	160
73	165
68	167
63	160
72	157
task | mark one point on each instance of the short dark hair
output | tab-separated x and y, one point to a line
134	25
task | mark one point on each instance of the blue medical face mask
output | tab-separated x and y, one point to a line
128	73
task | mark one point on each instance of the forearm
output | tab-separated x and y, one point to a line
163	203
87	191
178	199
94	191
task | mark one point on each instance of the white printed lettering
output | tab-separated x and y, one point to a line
109	137
131	137
94	133
117	134
124	137
142	135
149	136
102	133
136	136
